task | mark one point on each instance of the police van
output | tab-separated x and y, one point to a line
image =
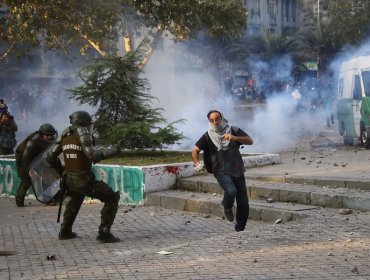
353	100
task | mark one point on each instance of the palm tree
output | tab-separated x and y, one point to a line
314	42
269	46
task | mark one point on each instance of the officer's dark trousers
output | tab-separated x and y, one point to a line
235	189
23	186
80	186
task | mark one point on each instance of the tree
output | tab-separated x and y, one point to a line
349	21
60	24
124	115
346	22
111	84
268	45
315	43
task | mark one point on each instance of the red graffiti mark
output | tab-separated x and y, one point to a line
172	169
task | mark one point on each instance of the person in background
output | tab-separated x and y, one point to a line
34	144
3	107
77	146
8	127
222	157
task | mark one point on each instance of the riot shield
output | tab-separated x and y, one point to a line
45	179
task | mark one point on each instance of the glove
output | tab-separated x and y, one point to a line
199	167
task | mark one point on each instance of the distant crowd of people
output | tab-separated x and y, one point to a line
37	100
307	94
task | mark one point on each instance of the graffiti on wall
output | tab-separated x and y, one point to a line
9	180
129	181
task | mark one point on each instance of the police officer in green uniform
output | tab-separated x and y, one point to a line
76	144
26	152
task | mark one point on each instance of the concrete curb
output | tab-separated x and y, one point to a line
210	204
324	196
350	183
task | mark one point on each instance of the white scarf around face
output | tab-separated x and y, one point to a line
217	132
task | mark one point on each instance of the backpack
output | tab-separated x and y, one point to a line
207	155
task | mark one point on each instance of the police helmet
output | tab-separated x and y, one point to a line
80	118
47	129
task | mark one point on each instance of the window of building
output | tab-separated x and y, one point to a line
294	9
272	11
258	8
287	9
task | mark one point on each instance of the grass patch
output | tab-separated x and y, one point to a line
145	158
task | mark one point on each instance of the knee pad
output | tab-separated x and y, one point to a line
103	192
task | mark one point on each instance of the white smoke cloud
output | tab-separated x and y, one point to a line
191	94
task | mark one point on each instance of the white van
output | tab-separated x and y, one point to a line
353	103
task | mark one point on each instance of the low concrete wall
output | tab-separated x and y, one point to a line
163	177
131	182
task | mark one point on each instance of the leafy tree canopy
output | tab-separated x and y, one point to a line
349	21
59	24
346	22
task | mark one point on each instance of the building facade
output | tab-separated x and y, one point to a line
276	16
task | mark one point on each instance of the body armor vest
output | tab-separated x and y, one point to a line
74	158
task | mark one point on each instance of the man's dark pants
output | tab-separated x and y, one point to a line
235	188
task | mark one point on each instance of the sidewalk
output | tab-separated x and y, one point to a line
327	246
340	164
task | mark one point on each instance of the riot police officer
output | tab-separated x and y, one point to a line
26	152
76	144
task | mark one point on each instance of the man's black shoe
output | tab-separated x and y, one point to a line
66	235
107	238
229	215
19	201
237	229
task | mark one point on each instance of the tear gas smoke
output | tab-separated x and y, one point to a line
187	91
189	94
38	94
349	52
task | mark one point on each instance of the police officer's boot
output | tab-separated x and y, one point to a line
66	233
106	236
19	201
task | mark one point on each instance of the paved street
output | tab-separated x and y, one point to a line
327	246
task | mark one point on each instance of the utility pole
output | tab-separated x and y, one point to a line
318	26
